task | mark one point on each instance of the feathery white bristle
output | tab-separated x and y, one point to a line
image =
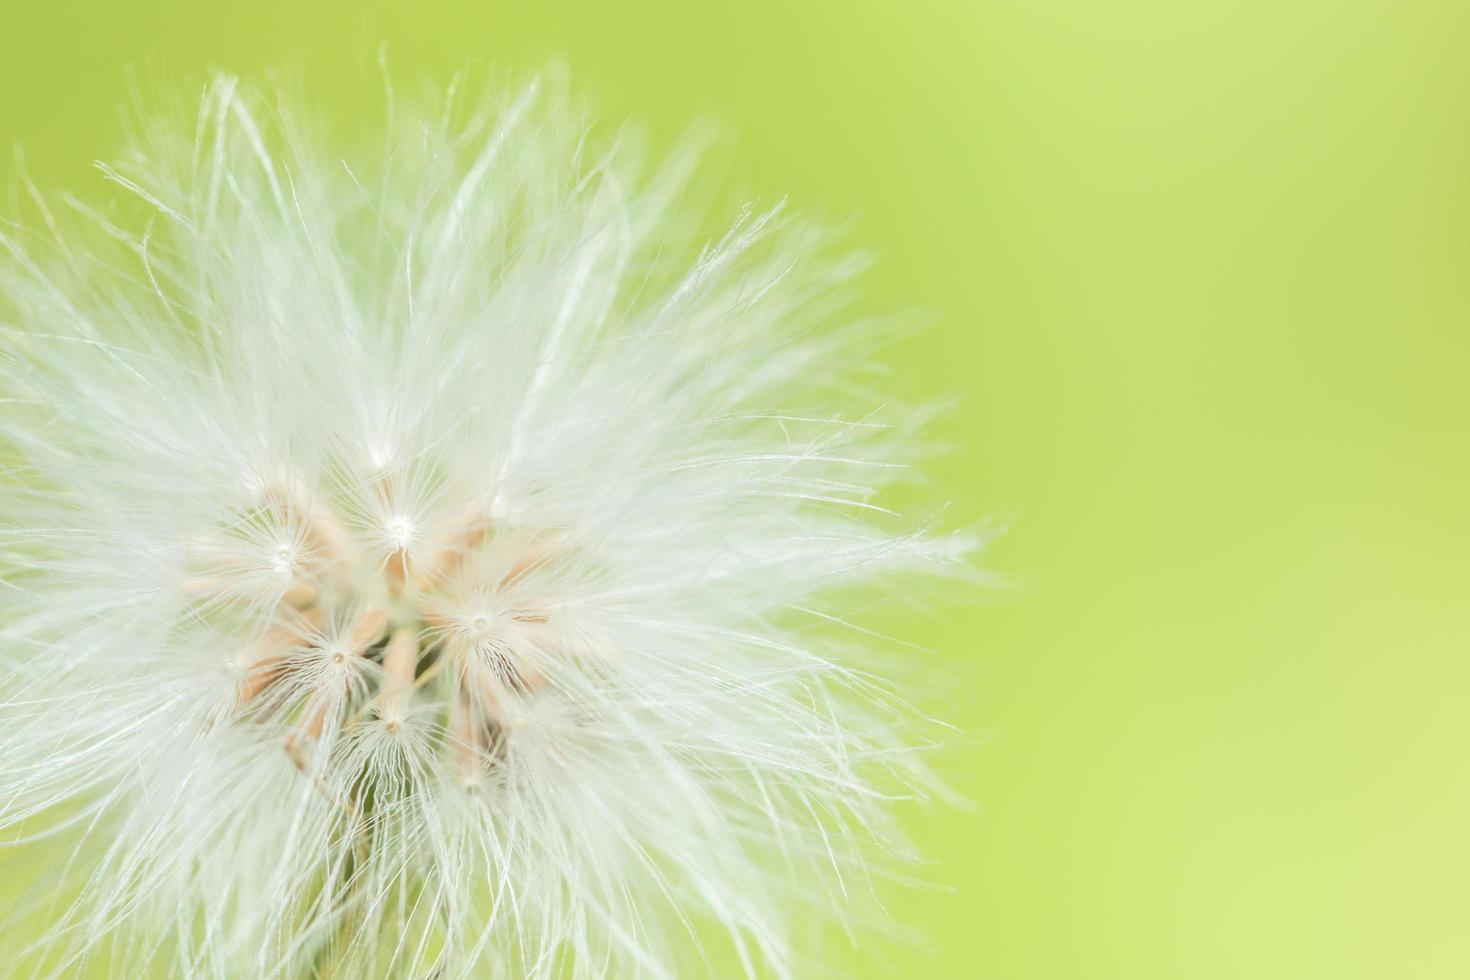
409	562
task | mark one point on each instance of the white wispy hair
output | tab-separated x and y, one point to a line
433	562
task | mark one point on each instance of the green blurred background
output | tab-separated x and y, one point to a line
1199	273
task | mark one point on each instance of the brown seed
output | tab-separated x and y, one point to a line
451	557
536	553
367	629
395	570
308	729
272	654
300	594
464	734
260	676
400	660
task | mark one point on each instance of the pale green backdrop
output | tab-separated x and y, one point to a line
1201	277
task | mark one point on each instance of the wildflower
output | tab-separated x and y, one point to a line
409	559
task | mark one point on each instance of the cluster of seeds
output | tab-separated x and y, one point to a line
376	624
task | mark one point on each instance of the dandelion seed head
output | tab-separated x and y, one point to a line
435	558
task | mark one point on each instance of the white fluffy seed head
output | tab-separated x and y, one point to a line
411	560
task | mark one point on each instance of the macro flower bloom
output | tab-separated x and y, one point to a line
428	558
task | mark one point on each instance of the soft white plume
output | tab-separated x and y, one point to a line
429	560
